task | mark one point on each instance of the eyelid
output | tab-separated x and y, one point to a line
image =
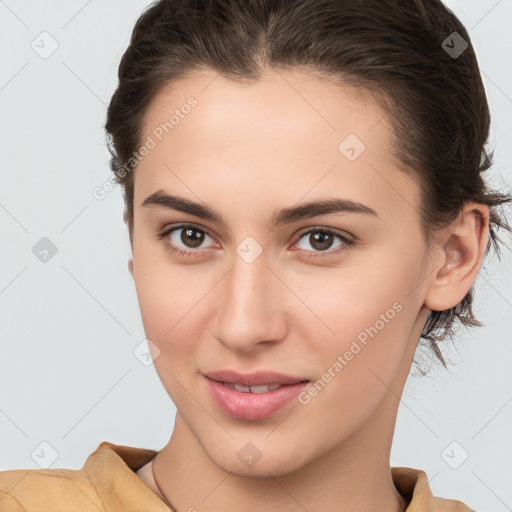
183	225
344	234
338	232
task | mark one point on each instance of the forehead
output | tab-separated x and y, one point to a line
282	106
282	137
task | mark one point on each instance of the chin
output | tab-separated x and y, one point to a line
271	462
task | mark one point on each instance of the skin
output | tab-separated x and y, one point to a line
247	151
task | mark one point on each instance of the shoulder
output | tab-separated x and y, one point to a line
107	478
450	505
34	490
414	485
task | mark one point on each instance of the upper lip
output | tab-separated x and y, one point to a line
260	378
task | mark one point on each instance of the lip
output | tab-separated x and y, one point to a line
253	406
259	378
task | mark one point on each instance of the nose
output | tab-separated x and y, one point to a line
251	311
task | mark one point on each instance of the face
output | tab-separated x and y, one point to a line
331	296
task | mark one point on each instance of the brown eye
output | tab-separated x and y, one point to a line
192	237
320	240
186	240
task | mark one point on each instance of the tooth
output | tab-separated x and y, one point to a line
264	389
252	389
243	389
259	389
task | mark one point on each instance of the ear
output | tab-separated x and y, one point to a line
460	251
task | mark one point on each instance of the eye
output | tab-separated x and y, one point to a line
186	240
191	237
322	239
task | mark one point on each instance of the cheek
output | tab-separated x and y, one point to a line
170	306
170	310
360	361
163	289
352	298
368	308
166	298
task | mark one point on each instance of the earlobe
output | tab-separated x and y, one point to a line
462	248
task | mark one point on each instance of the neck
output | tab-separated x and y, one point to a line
354	475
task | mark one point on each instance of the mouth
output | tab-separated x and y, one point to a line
255	380
255	402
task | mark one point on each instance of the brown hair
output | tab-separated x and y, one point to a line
401	52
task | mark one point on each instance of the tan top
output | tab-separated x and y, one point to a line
108	483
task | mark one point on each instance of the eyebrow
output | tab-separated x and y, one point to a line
284	216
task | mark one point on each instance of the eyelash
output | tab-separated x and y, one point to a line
347	242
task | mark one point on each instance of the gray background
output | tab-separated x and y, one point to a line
68	374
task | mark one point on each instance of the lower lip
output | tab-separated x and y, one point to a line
252	406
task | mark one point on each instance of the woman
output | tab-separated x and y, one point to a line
305	203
